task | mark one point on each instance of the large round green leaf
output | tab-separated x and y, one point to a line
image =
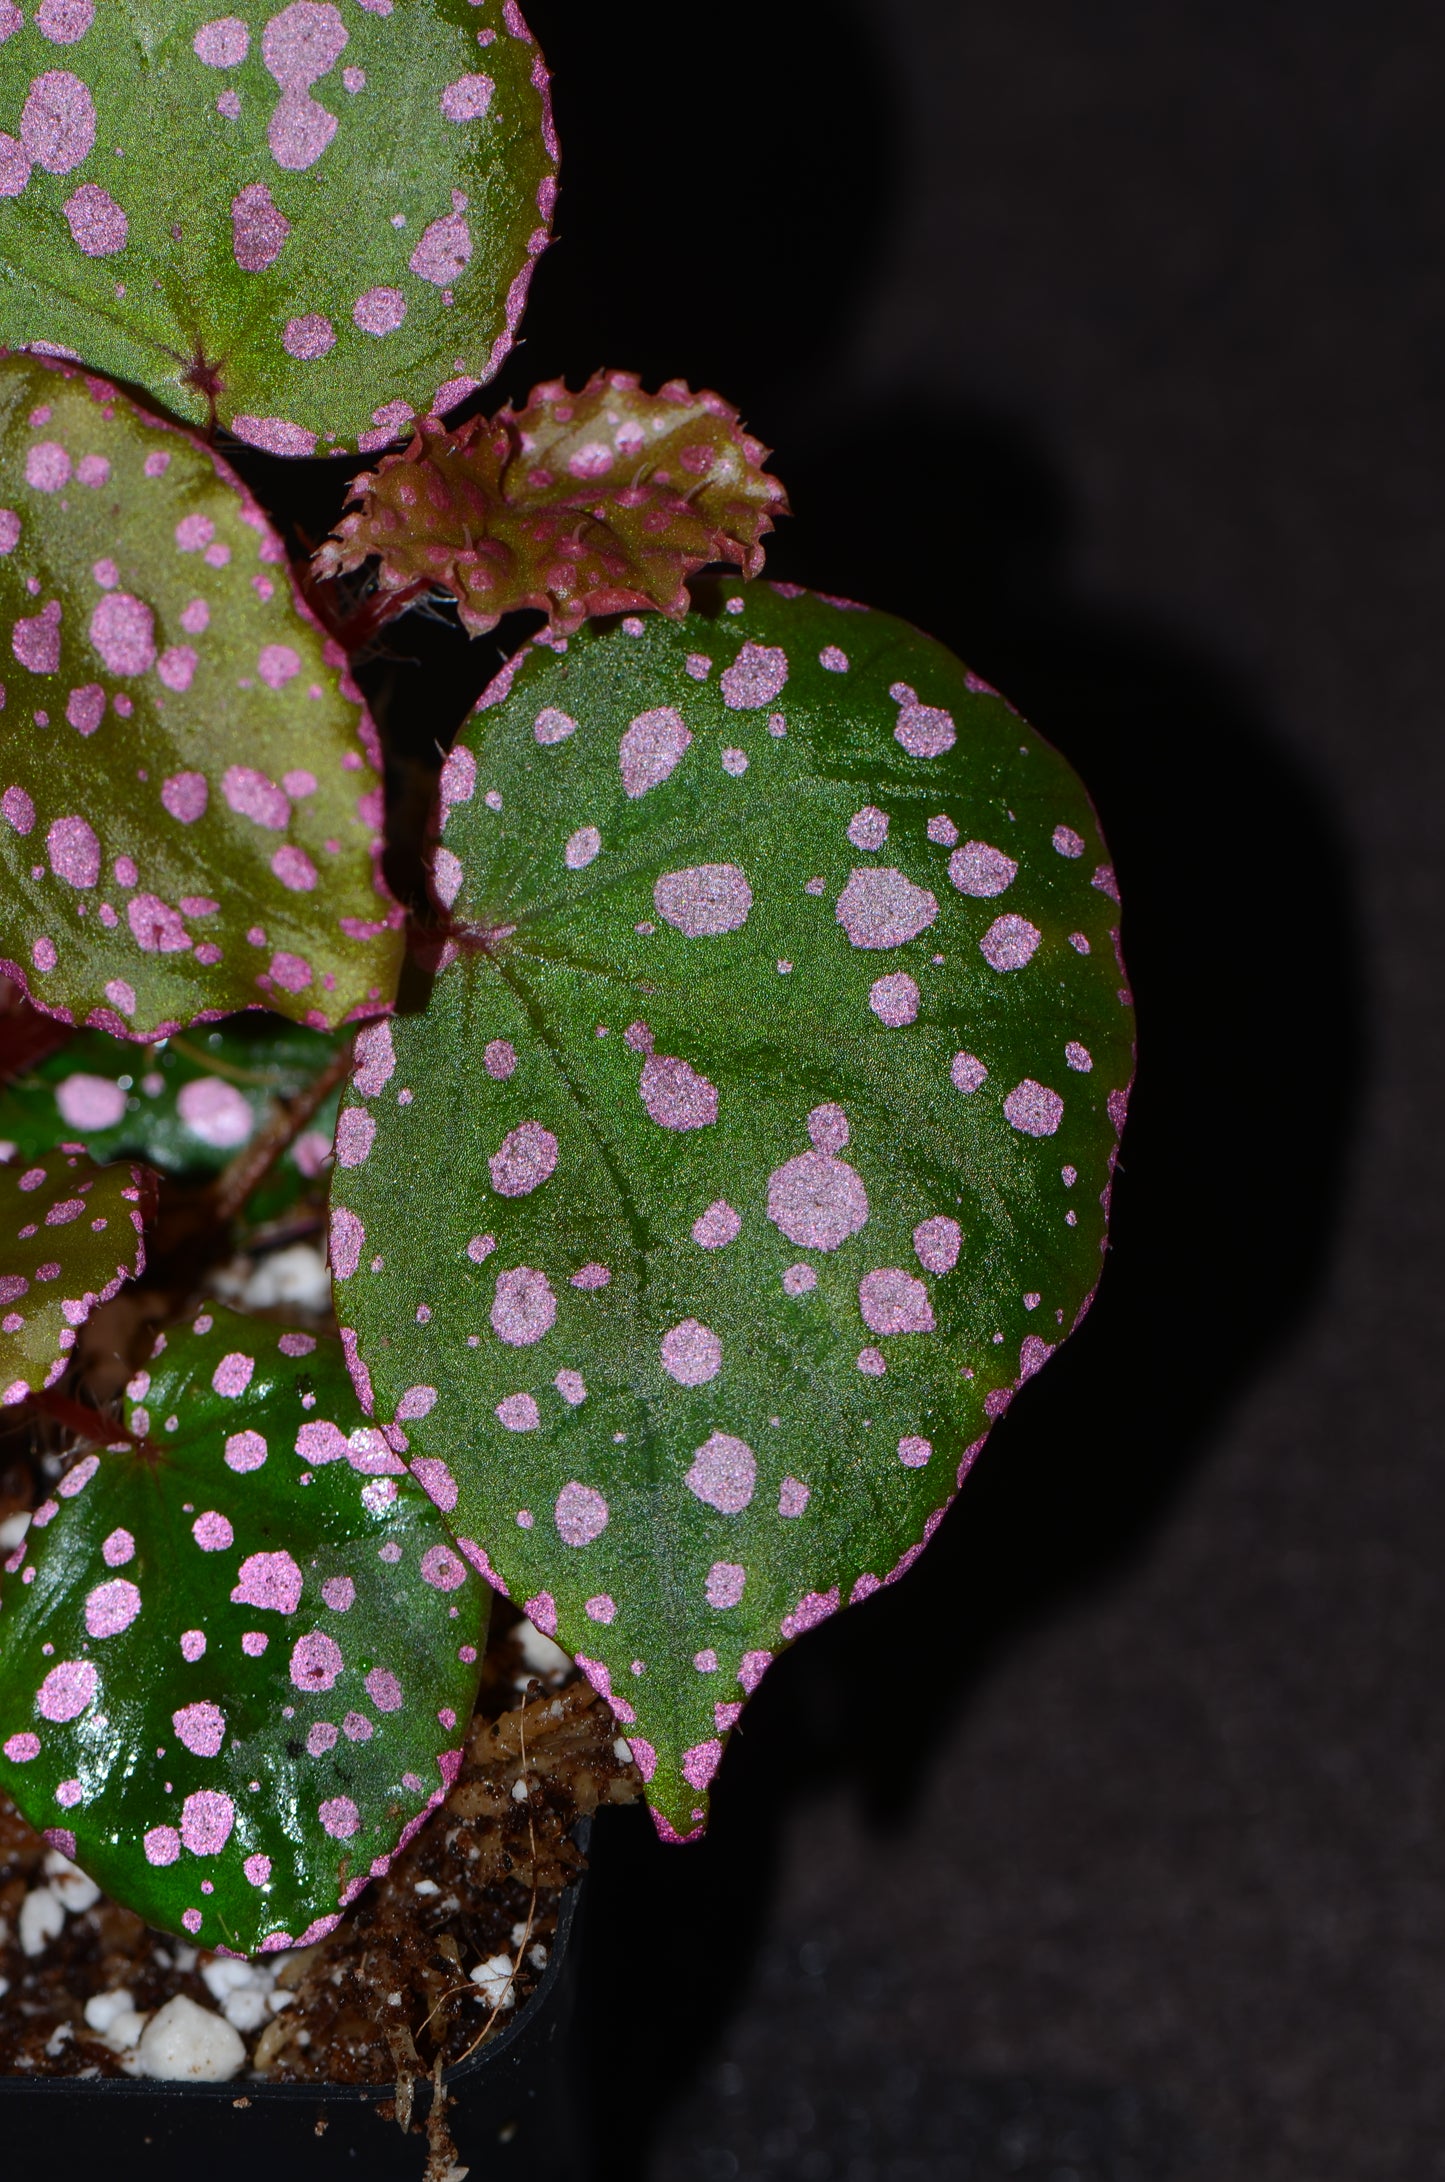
237	1657
311	221
755	1143
70	1233
190	821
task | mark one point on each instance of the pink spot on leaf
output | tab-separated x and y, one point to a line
66	1691
245	1451
691	1353
723	1473
882	908
316	1661
980	870
379	311
755	677
85	708
675	1096
817	1201
35	640
97	223
894	999
207	1817
201	1727
74	852
1033	1109
526	1159
581	1516
704	900
523	1308
651	749
444	251
57	126
717	1227
725	1584
269	1580
223	43
111	1607
123	631
894	1302
1009	943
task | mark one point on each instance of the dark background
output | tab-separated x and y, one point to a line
1103	339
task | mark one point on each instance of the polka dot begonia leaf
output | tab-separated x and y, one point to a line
190	818
754	1146
578	504
312	222
239	1655
70	1234
187	1108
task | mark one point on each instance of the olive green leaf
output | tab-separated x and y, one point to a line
237	1653
70	1233
189	812
755	1144
312	222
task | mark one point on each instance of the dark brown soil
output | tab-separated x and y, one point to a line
389	1993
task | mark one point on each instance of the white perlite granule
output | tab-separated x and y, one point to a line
183	2043
494	1979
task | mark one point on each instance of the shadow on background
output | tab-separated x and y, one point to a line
743	269
1241	946
722	216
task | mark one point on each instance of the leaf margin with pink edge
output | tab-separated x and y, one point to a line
59	1198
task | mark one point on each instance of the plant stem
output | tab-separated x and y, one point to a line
235	1183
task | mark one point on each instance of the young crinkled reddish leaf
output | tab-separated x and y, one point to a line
70	1233
755	1143
580	504
190	814
238	1653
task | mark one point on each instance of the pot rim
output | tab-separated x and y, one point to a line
259	2088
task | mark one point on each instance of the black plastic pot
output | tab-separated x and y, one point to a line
513	2113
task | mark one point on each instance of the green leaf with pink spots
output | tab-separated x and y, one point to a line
580	504
309	221
70	1233
187	1108
237	1655
190	819
755	1144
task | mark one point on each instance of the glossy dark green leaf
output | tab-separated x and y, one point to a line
311	221
578	505
755	1144
237	1658
70	1233
189	816
187	1106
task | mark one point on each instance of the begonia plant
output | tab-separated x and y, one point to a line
739	1140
